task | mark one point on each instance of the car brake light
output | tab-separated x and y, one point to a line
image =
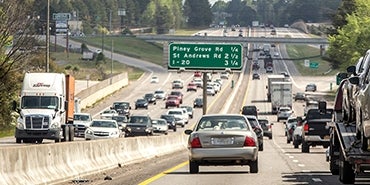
249	142
195	143
306	127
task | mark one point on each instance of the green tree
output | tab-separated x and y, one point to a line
351	42
198	13
339	18
14	35
163	19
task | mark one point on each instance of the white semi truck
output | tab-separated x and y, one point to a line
281	95
46	108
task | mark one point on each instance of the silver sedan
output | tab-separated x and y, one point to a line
222	139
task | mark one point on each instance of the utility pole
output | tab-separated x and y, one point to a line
47	36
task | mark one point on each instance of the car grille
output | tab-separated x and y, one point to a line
37	122
101	133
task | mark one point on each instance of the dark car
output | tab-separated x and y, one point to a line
311	87
266	127
141	103
250	110
150	98
123	108
198	103
121	121
299	96
171	121
255	76
257	129
139	125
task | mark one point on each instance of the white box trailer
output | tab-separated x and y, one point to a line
273	78
281	95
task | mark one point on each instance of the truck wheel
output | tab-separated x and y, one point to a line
253	166
364	144
260	148
71	132
39	141
18	140
193	167
295	143
305	147
346	173
65	133
58	140
270	136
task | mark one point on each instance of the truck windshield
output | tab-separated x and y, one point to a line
39	102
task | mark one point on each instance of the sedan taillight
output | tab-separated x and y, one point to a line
195	143
306	127
249	141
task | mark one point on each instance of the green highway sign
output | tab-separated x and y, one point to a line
314	65
205	56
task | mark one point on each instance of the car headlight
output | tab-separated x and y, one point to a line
90	132
128	129
54	125
20	125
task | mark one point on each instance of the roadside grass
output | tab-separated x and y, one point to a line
7	131
93	70
129	46
302	52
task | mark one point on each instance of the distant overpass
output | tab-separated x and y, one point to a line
228	39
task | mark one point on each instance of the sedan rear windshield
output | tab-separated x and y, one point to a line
220	123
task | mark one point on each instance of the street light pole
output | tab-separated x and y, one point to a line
47	36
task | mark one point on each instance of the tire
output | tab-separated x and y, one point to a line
193	167
305	147
346	173
71	133
260	148
287	140
278	120
183	126
296	145
65	133
39	141
18	140
270	136
166	106
253	165
174	129
364	144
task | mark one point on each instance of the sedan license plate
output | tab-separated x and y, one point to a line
222	141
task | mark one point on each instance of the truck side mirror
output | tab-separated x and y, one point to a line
14	106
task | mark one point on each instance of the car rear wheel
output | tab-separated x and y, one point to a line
253	165
193	167
305	147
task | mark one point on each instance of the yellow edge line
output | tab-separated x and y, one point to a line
163	173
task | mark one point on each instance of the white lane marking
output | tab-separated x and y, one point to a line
316	179
295	161
301	165
291	156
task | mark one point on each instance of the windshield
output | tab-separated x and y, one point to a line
81	117
221	123
143	120
105	124
39	102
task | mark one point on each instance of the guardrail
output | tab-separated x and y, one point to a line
55	163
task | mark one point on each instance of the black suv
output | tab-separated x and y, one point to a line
123	108
139	125
250	110
150	98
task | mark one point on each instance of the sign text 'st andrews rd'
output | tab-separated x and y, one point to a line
205	56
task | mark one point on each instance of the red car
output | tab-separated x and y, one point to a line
178	94
172	101
197	74
192	87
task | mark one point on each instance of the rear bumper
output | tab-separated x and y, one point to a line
224	155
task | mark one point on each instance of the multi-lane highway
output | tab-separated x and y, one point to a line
279	163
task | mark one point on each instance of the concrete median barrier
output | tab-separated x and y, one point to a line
52	163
